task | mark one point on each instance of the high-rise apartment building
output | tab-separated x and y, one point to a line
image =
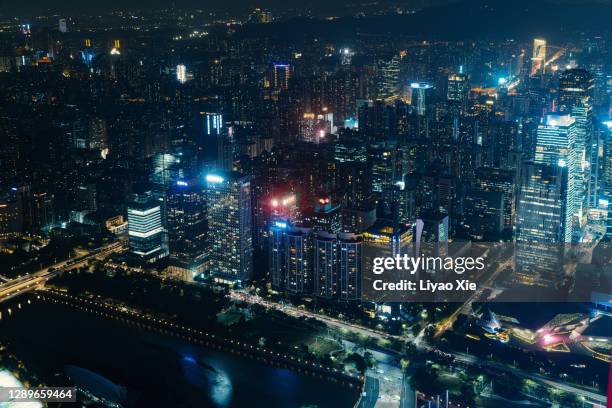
230	243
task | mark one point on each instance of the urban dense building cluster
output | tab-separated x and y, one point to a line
228	153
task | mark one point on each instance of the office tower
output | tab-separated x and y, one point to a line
43	216
87	197
281	75
23	196
457	89
355	220
11	215
576	87
354	181
382	163
181	73
227	151
538	59
385	240
403	210
435	193
350	248
352	174
87	53
187	227
6	61
167	169
325	265
432	233
213	123
556	146
575	97
316	128
228	202
501	145
98	137
346	56
421	96
145	229
389	70
543	228
607	173
483	214
63	25
501	181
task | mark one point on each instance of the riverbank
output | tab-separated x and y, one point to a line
142	361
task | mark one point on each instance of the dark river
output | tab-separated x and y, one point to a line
157	371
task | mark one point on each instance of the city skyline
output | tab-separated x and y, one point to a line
404	204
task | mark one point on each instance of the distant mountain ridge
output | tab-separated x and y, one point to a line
463	19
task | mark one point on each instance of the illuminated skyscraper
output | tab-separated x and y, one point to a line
11	215
316	128
87	54
145	229
346	56
607	174
389	71
421	95
43	215
432	233
181	73
187	226
350	270
297	248
483	214
228	202
383	240
538	59
277	254
557	146
457	88
576	87
575	97
325	265
63	25
282	75
543	228
213	123
502	181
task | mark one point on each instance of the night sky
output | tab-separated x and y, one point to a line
33	7
30	7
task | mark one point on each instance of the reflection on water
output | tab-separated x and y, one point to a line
203	376
157	370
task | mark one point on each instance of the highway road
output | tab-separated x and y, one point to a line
419	342
371	389
296	312
589	395
36	280
467	305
